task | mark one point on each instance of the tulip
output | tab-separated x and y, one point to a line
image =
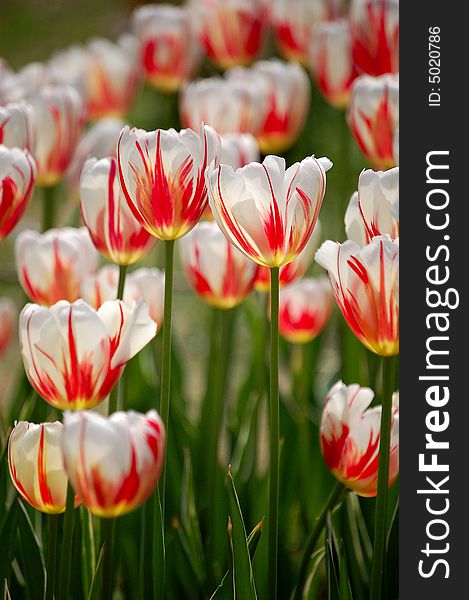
231	32
375	34
373	116
267	211
17	177
73	355
350	438
294	21
288	99
295	270
366	287
36	465
229	105
238	149
100	141
148	285
7	323
58	120
52	265
18	86
305	308
330	57
162	177
102	286
170	53
374	209
16	126
114	462
115	232
216	270
70	66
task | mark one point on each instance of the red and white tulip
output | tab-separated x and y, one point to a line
8	319
115	231
366	287
218	272
305	308
170	53
231	32
375	33
58	122
268	211
373	116
18	86
114	462
17	178
52	265
36	465
238	149
73	355
294	20
374	209
331	61
16	126
350	438
162	177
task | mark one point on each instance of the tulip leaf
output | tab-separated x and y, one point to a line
88	548
243	579
158	547
332	562
32	564
7	535
345	590
94	585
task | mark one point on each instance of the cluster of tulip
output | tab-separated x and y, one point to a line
241	225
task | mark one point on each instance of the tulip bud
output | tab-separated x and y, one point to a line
162	175
366	287
58	121
304	310
375	33
170	53
17	177
52	265
7	323
73	355
374	209
16	126
250	203
350	438
36	465
115	232
373	116
216	270
114	462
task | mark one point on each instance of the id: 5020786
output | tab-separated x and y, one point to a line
434	66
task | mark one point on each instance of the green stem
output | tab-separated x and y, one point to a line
334	498
48	207
379	543
114	396
51	555
107	532
274	435
67	545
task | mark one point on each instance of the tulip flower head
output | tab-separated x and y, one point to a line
238	149
218	272
52	265
373	116
294	21
287	100
294	270
17	177
18	86
147	285
114	462
73	355
36	465
375	33
58	121
268	211
162	177
366	287
170	53
16	126
7	323
305	308
102	286
374	209
330	57
115	232
231	32
350	438
228	104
